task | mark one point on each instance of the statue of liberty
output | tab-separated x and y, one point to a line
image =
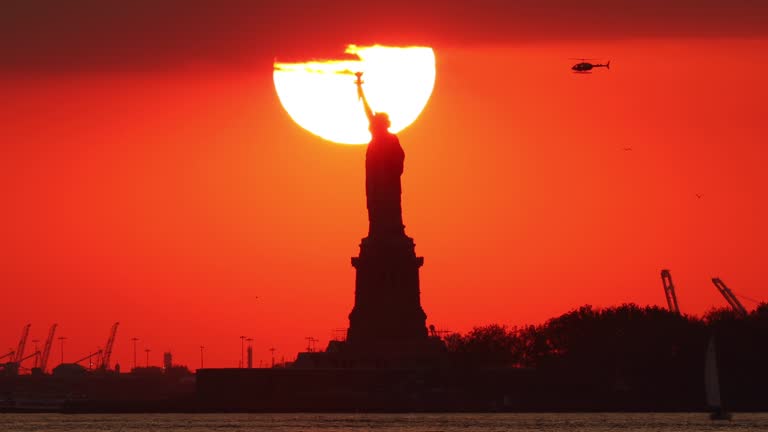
387	317
383	168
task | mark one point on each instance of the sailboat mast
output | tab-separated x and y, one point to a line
711	381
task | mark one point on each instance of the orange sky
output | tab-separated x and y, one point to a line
170	198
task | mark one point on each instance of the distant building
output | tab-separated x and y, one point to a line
66	370
151	370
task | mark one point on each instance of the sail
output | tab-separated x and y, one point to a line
711	383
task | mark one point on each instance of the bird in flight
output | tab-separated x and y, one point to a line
698	196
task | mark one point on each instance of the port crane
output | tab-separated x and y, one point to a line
108	347
8	354
17	356
47	348
34	354
22	343
12	367
89	357
669	291
730	297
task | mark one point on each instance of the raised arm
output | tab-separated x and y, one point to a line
361	96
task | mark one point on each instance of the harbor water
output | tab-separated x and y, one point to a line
528	422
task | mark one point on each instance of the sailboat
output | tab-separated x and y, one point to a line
712	384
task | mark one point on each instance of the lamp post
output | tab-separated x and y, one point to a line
147	351
201	356
250	353
134	351
62	339
242	349
37	350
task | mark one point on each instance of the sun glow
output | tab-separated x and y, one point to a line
321	96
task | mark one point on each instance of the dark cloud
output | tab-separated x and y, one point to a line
75	35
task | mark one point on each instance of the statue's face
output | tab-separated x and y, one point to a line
380	123
379	128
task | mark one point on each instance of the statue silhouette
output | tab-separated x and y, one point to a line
387	318
383	168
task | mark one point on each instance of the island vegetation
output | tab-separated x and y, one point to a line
628	351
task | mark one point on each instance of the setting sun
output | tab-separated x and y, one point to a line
320	96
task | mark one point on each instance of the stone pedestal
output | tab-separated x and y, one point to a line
387	312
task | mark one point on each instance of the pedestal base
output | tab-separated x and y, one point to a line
387	311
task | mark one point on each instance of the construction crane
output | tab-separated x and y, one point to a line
47	348
108	348
22	343
669	291
730	297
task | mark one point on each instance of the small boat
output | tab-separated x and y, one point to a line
712	384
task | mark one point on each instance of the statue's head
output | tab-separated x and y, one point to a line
380	123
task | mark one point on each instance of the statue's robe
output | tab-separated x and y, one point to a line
383	168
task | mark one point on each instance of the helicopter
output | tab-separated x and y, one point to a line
585	67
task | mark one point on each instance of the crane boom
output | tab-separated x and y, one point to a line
36	353
47	348
22	344
89	356
669	291
108	348
730	297
8	354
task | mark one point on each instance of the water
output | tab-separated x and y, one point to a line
635	422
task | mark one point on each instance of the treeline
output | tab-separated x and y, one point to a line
630	349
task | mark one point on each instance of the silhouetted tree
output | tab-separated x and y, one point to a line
491	345
630	355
